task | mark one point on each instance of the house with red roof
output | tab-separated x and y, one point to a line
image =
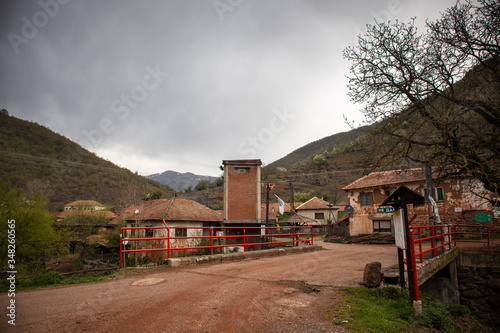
85	213
457	199
183	215
318	210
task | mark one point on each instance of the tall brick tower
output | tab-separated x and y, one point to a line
242	191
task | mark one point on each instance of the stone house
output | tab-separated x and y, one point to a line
456	199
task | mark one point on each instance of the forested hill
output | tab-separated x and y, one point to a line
333	143
34	158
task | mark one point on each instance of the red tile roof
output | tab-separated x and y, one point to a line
272	215
176	209
392	177
316	204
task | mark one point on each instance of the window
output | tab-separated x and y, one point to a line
241	170
438	194
149	233
180	232
382	226
366	199
319	216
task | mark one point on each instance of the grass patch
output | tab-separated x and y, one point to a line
53	279
389	310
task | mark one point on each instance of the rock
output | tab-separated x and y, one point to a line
372	275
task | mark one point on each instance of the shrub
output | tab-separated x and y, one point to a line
47	278
458	310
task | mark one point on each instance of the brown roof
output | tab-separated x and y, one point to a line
176	209
315	204
238	162
272	215
392	177
295	219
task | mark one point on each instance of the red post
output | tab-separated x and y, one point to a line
442	238
211	241
244	239
420	245
168	242
455	234
312	238
433	244
121	254
271	237
413	262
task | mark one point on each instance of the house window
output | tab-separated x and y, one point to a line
382	226
438	194
180	232
148	233
366	199
241	170
319	216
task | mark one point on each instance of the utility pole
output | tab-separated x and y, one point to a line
267	206
291	196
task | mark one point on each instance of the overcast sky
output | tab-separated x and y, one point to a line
182	85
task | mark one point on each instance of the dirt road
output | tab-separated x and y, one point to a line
278	294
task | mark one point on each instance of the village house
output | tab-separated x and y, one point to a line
87	222
456	199
185	215
318	210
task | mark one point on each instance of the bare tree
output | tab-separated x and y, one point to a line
435	95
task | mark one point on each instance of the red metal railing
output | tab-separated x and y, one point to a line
267	236
440	237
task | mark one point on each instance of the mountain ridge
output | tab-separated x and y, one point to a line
35	158
179	180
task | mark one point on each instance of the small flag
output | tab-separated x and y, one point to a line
281	205
271	186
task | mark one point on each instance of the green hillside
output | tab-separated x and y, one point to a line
330	144
34	158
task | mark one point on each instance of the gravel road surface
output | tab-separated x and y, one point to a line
278	294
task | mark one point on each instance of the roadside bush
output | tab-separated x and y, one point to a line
47	278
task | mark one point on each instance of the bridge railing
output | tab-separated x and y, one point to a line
436	239
212	238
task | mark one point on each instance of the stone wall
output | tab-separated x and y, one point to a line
479	286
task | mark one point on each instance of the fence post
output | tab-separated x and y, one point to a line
433	243
312	236
412	261
244	239
442	238
420	245
211	241
168	242
271	237
121	254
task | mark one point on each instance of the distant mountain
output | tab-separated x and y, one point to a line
34	158
177	180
